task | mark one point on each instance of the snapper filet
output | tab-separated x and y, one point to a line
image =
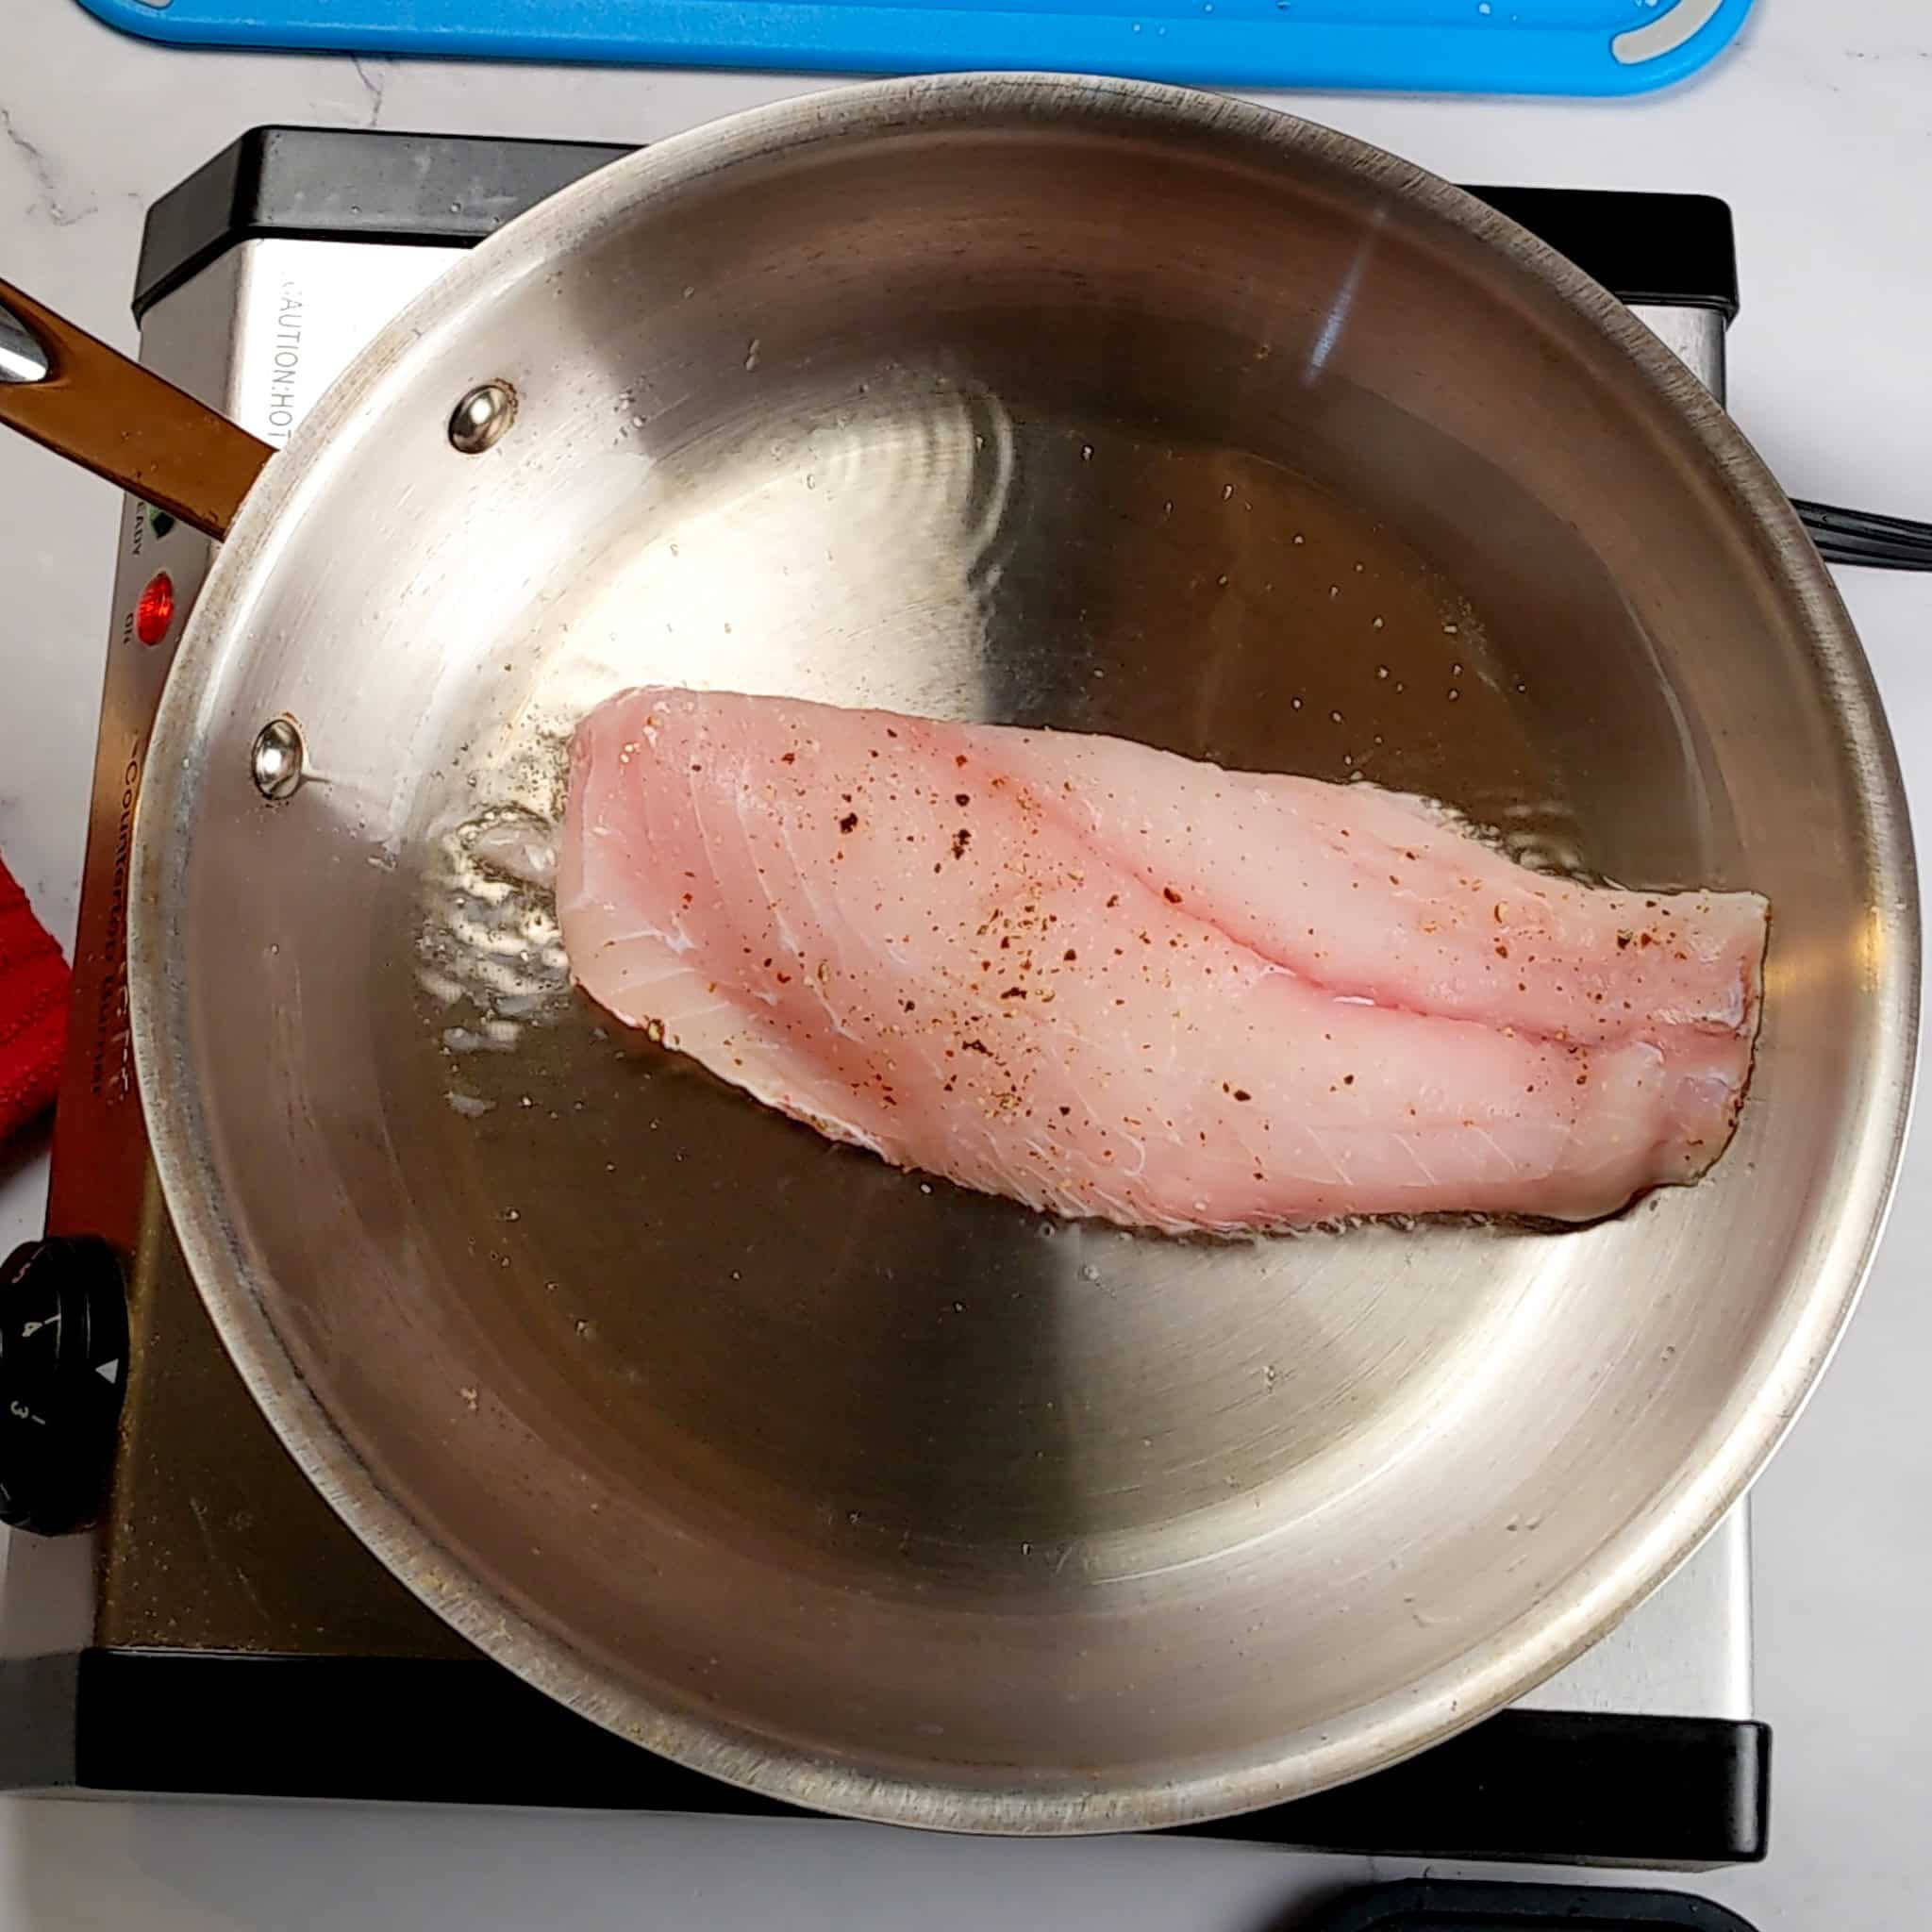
1106	980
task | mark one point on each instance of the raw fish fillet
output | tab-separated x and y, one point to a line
1106	980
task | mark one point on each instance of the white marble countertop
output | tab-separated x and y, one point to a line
1817	130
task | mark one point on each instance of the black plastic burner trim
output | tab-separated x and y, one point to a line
452	190
1660	1792
1448	1905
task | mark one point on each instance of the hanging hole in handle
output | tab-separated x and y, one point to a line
22	357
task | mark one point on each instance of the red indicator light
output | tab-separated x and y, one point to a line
156	611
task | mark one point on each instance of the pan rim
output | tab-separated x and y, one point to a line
1745	1426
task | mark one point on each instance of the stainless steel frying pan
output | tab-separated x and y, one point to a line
1052	401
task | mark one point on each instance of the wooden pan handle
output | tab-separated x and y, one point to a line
88	402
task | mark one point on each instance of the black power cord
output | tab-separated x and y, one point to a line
1858	536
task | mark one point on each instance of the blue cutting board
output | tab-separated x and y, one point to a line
1457	47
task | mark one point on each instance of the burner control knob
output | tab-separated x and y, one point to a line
63	1368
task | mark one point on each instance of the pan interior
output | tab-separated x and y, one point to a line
835	1477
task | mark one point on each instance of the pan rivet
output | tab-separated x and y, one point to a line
277	760
478	421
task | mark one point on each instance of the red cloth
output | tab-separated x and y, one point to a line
33	1011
